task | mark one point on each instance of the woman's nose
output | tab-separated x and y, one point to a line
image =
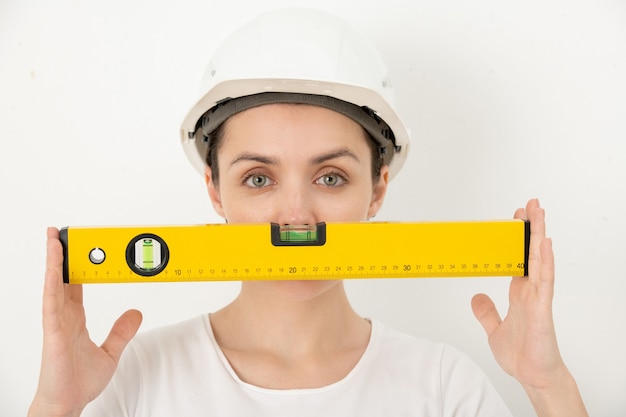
295	205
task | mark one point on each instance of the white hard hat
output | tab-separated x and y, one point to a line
297	56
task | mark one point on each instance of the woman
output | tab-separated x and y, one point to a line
295	129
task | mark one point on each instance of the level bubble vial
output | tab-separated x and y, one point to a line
147	254
298	235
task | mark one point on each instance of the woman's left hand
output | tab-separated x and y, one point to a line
524	343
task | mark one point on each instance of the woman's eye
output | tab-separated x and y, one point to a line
257	181
331	180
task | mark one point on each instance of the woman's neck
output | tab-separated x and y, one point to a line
298	334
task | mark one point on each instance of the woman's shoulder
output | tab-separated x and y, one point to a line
410	351
436	369
400	342
185	335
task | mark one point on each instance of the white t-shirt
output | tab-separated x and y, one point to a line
180	371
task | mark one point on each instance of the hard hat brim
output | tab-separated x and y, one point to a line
329	95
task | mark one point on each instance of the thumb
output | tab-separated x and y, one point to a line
121	333
485	311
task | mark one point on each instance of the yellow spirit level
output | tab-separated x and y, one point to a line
222	252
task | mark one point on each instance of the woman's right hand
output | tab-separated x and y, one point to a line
74	370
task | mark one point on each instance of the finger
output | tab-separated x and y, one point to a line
546	277
56	293
485	311
121	333
53	293
536	216
74	292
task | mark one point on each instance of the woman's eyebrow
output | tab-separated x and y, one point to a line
334	154
248	156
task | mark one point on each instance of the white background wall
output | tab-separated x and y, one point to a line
506	101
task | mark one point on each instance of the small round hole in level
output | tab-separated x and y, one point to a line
97	256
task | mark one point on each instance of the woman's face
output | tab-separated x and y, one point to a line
294	164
